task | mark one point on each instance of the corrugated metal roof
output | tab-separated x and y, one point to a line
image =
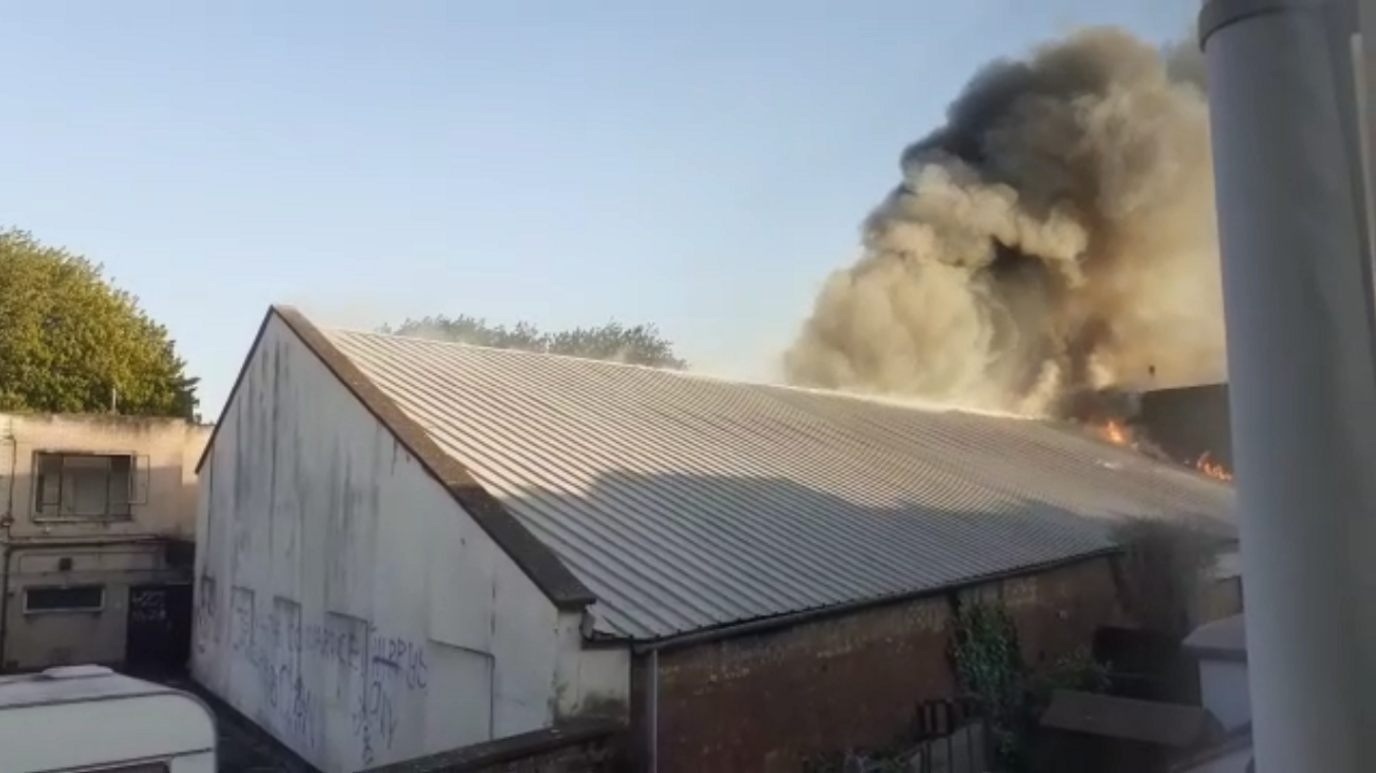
686	502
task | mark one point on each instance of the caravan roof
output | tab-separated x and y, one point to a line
121	721
72	684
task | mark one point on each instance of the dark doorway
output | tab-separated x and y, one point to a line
159	632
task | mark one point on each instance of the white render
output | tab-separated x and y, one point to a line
348	604
1223	691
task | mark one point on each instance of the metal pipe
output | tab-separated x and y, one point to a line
6	522
1302	371
653	721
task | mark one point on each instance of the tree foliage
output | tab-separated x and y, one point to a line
1163	570
637	345
70	342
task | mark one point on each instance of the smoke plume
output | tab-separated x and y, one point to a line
1052	244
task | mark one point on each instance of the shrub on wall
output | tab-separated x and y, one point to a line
1012	695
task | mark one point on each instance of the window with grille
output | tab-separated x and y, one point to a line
70	598
96	486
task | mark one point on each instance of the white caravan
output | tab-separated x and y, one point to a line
89	719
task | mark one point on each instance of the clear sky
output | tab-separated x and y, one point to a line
699	164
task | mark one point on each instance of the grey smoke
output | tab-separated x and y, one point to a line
1054	239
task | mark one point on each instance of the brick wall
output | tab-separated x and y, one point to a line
765	702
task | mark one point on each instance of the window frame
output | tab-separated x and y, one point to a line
28	609
46	511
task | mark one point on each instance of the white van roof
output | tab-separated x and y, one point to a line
72	684
122	720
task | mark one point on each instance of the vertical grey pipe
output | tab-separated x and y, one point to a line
1302	370
7	539
653	723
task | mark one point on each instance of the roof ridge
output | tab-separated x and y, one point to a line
897	401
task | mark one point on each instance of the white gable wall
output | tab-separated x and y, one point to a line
345	601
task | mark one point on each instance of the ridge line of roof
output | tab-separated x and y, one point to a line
536	559
909	403
916	405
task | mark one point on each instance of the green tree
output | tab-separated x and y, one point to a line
70	342
637	345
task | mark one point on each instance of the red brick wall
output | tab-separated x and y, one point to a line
1058	612
762	703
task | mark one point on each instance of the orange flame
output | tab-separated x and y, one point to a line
1116	434
1208	466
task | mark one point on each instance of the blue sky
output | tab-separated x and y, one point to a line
700	165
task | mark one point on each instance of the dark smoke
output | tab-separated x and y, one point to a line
1051	249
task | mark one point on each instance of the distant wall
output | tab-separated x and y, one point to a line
1188	422
163	475
763	703
60	535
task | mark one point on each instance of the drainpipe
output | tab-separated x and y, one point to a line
1298	292
6	545
652	720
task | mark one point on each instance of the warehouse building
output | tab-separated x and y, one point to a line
409	546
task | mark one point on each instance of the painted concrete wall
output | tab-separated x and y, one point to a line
1224	692
115	552
164	483
347	604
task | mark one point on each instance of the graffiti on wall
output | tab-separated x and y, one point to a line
378	671
342	666
207	625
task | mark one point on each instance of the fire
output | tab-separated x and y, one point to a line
1208	466
1116	434
1121	435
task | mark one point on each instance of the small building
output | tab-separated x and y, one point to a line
1220	647
96	539
407	547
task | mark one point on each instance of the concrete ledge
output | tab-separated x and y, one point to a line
513	750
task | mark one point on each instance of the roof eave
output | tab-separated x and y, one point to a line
775	622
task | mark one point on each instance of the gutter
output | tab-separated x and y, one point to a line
766	624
